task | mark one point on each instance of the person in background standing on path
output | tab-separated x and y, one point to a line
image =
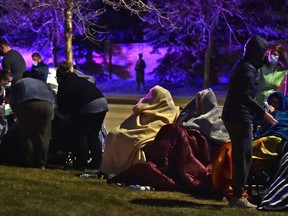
140	73
87	107
273	73
39	69
12	61
239	113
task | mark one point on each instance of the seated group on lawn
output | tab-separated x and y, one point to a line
191	151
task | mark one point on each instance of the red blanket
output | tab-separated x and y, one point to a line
176	160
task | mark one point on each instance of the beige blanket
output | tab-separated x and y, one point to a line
124	144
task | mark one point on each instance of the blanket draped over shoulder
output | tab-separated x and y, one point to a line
124	144
280	129
178	159
204	114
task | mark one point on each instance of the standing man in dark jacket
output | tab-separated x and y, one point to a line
87	106
239	113
39	69
12	61
140	72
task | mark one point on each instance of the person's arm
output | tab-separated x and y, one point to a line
249	82
281	87
44	71
5	64
269	118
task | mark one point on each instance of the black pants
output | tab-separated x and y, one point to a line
241	135
86	127
35	120
140	80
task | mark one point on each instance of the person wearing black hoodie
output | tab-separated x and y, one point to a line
239	113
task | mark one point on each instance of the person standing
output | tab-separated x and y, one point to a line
273	73
12	61
87	107
33	102
140	72
239	112
39	69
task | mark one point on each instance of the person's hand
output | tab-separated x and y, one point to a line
269	118
271	109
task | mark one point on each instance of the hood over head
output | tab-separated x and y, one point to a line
255	49
282	98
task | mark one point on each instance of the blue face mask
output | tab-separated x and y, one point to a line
273	59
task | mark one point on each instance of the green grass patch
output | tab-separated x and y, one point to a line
56	192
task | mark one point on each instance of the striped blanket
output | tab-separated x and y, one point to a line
277	195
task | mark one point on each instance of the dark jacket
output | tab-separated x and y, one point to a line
14	62
240	105
40	71
75	92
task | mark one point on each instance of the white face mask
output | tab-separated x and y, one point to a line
35	63
273	59
8	85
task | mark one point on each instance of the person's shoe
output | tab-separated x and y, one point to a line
240	202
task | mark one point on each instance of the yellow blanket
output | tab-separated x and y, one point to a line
266	152
124	144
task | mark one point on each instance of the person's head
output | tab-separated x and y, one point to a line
277	100
255	49
63	69
36	58
4	47
5	78
26	74
140	55
277	56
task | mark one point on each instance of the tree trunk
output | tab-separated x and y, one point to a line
208	54
68	32
110	60
55	40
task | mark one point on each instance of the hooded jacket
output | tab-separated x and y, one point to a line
282	99
281	114
240	105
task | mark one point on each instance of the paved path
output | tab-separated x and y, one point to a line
120	108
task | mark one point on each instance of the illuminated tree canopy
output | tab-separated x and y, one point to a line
194	32
207	28
54	22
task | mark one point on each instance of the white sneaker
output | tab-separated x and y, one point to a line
242	202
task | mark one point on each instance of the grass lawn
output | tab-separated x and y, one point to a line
56	192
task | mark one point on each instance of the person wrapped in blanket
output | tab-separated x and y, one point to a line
125	143
269	139
278	107
269	149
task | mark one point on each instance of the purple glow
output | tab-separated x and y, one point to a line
124	55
